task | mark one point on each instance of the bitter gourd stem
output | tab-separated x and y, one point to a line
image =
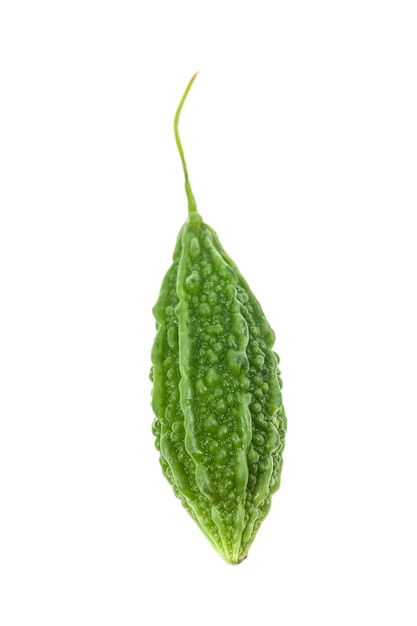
191	201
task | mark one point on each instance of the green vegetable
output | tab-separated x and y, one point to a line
220	422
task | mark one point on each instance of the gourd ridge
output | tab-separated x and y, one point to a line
219	422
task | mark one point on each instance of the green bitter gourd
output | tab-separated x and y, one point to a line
220	423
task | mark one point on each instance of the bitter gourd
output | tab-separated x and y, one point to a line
220	423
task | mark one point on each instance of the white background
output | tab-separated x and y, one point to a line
300	135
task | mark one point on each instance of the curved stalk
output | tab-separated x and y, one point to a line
192	207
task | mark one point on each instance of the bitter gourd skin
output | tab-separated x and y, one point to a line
219	419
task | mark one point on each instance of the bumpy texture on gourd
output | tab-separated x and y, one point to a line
220	423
